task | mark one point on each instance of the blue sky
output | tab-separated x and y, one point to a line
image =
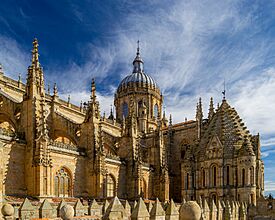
189	48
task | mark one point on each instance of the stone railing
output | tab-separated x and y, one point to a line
70	147
119	210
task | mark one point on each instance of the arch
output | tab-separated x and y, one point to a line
110	186
125	110
227	175
214	171
62	137
156	110
63	183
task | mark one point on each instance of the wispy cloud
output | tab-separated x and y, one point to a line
13	57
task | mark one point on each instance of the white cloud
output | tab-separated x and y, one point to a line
13	57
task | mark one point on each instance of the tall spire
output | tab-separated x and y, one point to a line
138	63
211	109
93	90
35	55
199	114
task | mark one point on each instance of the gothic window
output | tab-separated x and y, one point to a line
203	178
243	177
214	176
251	175
62	183
227	175
125	109
110	186
156	110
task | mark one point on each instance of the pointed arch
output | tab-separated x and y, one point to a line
63	183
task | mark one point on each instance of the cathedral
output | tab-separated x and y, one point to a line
52	148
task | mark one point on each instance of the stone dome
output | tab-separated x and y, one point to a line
138	78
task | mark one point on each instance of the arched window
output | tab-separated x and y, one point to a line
156	110
187	181
227	175
110	186
203	178
214	175
125	109
236	176
62	183
243	177
251	175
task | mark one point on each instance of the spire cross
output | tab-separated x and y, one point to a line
138	47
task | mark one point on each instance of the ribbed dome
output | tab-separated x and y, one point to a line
140	78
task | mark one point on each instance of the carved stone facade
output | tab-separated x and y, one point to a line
52	148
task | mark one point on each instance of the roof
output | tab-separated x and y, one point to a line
227	126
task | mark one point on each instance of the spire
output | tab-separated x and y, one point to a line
111	117
211	109
170	120
138	63
35	55
199	114
93	90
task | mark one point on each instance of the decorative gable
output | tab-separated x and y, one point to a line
214	148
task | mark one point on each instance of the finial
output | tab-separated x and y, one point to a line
55	90
223	92
138	63
81	105
211	109
69	99
170	120
19	78
49	89
138	47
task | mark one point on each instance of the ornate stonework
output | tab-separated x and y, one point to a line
135	153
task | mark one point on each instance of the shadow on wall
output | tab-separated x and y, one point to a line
13	159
